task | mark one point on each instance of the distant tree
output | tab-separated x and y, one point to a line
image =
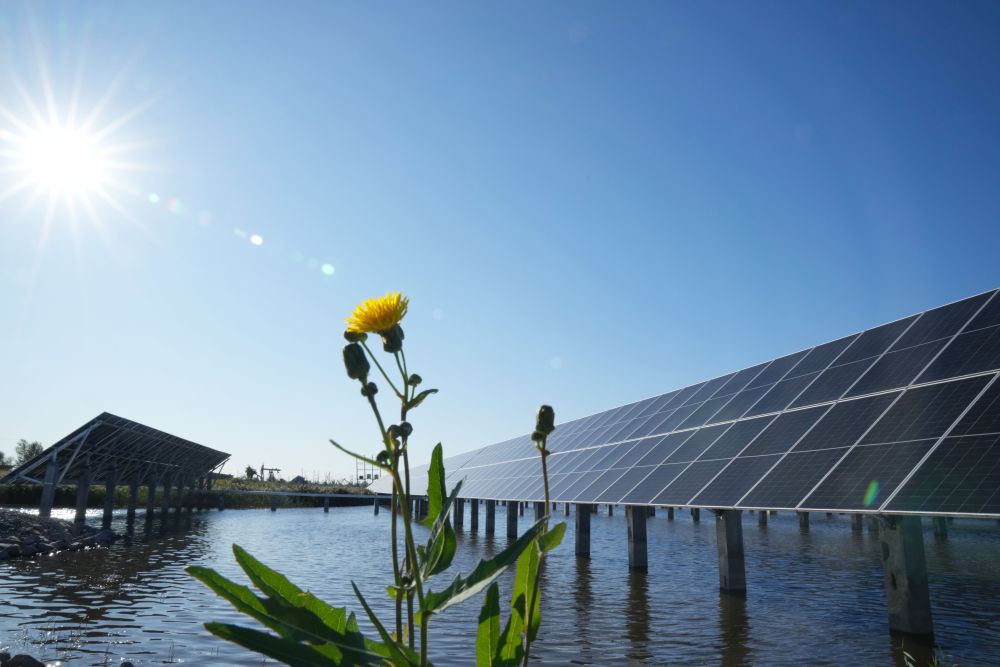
26	451
250	472
3	460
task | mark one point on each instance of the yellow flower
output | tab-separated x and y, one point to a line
378	315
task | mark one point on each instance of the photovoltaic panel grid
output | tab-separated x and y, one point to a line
901	418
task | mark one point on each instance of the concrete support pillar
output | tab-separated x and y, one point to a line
110	487
179	498
651	511
906	592
222	501
150	499
611	509
635	516
474	515
49	488
829	515
274	503
375	505
133	498
539	510
857	523
940	526
458	513
82	496
873	524
695	514
583	512
593	508
491	515
326	505
729	539
513	509
762	518
670	514
565	509
803	520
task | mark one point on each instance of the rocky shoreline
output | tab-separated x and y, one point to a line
23	534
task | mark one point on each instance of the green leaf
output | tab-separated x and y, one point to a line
488	636
282	650
435	486
400	654
360	457
419	398
485	573
551	539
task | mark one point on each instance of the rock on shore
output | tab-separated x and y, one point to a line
23	534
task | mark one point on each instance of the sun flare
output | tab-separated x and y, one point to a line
61	160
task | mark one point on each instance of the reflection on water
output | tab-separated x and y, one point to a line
813	597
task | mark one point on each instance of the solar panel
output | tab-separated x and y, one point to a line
902	417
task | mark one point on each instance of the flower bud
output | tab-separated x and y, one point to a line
545	422
382	458
405	429
355	336
537	436
393	431
392	339
415	380
369	390
355	362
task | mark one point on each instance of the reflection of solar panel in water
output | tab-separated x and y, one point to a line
903	417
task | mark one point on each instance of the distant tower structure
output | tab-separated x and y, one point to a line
365	473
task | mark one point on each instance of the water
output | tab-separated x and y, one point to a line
813	598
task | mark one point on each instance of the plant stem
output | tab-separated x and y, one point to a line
541	555
381	370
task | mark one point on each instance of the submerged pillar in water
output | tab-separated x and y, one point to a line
49	488
695	514
803	520
635	517
491	515
474	515
539	510
110	487
565	509
133	498
670	514
729	540
274	503
611	509
513	509
940	526
458	513
906	592
82	494
583	512
857	523
762	518
375	505
326	505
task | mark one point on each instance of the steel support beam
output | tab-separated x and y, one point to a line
513	509
729	540
635	516
49	489
491	516
583	512
906	592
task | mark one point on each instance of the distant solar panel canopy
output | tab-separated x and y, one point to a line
109	448
903	418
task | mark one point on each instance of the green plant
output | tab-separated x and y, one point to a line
311	632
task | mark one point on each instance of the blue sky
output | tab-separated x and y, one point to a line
587	203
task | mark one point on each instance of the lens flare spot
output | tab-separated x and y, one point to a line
872	493
153	198
327	269
175	206
256	239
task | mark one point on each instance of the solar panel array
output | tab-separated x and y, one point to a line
904	417
109	444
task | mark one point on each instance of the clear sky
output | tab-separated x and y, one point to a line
588	203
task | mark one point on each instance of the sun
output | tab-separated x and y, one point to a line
61	161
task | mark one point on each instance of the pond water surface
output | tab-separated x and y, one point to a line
813	597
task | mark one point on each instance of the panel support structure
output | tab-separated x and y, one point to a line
729	540
670	514
82	496
133	498
539	510
857	523
635	516
110	487
474	515
762	518
458	513
695	514
491	516
803	520
513	509
583	512
940	526
326	505
906	591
